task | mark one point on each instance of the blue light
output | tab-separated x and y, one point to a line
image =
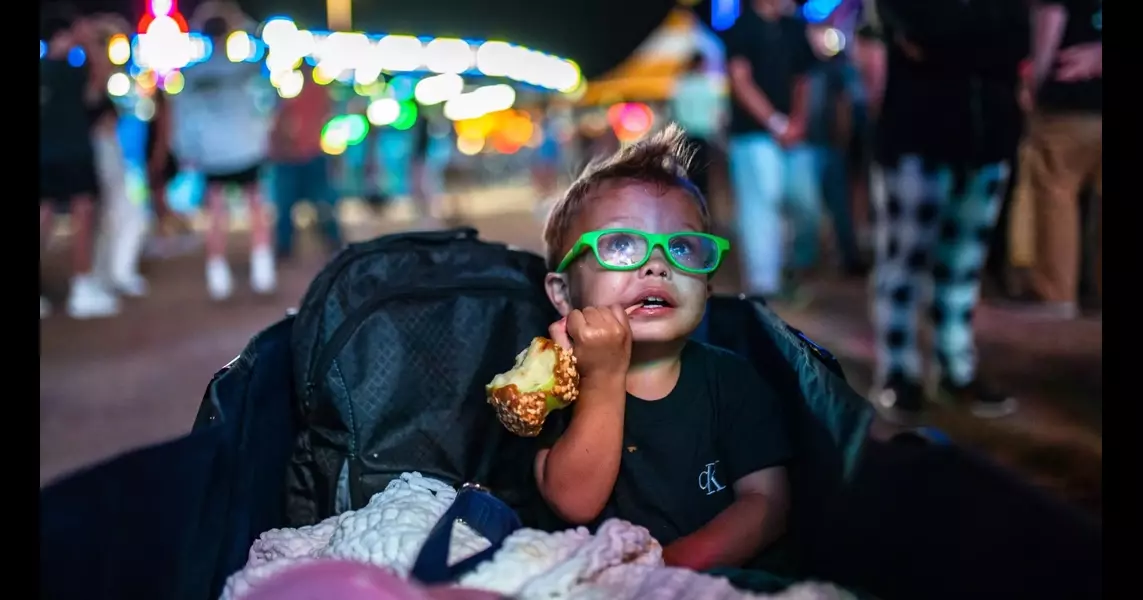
723	14
76	57
43	48
816	11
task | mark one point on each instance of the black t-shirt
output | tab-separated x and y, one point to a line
683	453
778	52
957	104
1084	25
65	120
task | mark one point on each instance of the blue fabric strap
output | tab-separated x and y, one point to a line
481	511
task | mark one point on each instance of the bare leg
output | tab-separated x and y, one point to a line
218	280
1099	233
47	218
47	221
82	226
263	277
88	298
219	222
423	198
159	205
259	223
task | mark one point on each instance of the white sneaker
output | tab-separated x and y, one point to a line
45	307
263	277
90	300
134	286
219	283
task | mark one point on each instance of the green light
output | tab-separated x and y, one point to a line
335	128
407	117
345	130
358	128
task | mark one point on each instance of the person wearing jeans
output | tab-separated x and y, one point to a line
769	57
294	181
832	83
765	176
300	169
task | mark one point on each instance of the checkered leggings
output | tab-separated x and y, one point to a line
932	226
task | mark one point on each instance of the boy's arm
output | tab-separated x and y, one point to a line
754	521
577	474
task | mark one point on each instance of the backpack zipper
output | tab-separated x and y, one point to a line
353	321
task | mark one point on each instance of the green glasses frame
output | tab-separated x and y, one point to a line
590	240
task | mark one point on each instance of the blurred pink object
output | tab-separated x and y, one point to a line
350	580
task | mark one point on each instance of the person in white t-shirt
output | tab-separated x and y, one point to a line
221	132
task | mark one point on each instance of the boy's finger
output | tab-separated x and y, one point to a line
621	314
558	332
576	323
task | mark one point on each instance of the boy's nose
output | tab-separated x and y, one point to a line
657	265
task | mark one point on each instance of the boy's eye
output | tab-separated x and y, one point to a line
681	247
621	248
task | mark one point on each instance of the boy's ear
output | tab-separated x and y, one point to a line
556	284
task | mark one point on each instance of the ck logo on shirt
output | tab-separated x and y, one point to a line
708	481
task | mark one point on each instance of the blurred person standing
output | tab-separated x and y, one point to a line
547	157
948	121
424	193
172	233
67	161
123	223
220	131
833	107
301	170
1063	147
768	61
699	108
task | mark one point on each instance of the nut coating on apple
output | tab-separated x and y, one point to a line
543	379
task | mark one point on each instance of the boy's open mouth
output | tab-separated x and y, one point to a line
653	300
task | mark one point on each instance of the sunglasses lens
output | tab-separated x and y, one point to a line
694	252
620	249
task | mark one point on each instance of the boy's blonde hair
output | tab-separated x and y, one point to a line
662	159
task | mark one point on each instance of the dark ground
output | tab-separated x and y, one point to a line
110	385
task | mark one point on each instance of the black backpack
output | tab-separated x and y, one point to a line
392	346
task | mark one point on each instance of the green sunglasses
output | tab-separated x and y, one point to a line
629	249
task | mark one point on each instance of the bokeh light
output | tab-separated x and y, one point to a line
119	49
119	85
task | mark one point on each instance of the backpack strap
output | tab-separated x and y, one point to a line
481	511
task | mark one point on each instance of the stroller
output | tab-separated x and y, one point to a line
911	517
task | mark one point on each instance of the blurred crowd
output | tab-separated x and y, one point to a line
954	145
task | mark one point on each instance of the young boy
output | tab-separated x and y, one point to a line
682	438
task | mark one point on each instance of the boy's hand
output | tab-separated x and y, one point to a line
600	338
